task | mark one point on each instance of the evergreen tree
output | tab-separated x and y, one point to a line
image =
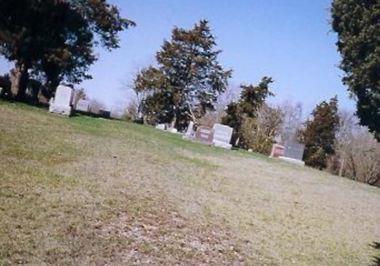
251	100
157	106
191	74
357	23
319	134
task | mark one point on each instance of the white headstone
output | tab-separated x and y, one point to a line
222	136
61	104
83	106
161	126
190	131
173	130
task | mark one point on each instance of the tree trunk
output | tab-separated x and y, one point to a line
19	79
174	121
341	167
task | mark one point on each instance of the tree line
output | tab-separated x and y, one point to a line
53	41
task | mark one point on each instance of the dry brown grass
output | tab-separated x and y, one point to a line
89	191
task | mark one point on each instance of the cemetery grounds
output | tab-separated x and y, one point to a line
86	190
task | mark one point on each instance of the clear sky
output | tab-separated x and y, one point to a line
289	40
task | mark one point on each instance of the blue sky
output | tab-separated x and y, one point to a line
289	40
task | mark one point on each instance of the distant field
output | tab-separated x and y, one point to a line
80	190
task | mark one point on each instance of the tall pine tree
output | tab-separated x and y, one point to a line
319	134
188	75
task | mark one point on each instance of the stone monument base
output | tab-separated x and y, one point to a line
291	160
62	110
222	144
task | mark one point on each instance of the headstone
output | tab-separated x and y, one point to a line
83	106
95	108
277	151
105	113
190	131
291	160
294	150
204	135
161	126
222	136
61	104
172	130
117	113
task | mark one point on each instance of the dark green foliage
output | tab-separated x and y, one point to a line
319	134
253	97
357	23
158	106
251	100
5	84
188	76
55	38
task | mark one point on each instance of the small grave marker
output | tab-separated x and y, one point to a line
277	151
222	136
83	106
61	104
161	126
190	131
204	135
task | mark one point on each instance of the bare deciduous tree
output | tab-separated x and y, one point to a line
292	120
259	132
357	152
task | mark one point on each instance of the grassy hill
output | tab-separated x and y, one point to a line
86	190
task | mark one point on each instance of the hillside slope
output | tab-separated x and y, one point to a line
85	190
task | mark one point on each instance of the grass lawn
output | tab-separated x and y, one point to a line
81	190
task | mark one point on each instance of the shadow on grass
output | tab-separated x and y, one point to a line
376	259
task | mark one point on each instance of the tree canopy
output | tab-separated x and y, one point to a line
56	39
188	75
252	98
319	134
357	23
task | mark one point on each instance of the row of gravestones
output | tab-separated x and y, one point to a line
219	135
63	104
291	151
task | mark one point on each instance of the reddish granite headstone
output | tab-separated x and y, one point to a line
204	135
277	151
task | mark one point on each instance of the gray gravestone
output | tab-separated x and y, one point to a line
222	136
61	104
105	113
294	150
83	106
